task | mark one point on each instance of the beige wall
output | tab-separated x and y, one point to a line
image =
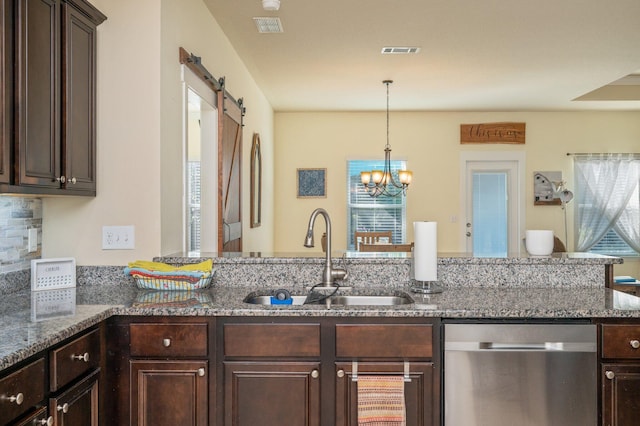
139	132
430	143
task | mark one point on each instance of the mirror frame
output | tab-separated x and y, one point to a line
256	182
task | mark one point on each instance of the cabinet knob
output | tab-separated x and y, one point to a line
61	179
610	375
64	408
47	422
340	373
635	344
315	373
166	342
201	372
18	399
72	180
84	357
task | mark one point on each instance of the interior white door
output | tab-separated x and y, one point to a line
492	210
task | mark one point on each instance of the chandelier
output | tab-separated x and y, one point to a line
382	182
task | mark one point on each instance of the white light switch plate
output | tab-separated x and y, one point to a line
118	237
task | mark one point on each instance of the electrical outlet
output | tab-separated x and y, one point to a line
32	243
118	237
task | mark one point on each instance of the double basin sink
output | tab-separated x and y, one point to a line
398	298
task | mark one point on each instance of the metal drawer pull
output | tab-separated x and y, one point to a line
64	408
166	342
340	373
18	399
635	344
315	373
610	375
201	372
84	357
47	421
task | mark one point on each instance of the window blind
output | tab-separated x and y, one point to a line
370	214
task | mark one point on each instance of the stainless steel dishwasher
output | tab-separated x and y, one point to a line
520	374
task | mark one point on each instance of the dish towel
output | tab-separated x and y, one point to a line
381	401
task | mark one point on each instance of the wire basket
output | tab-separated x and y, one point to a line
172	284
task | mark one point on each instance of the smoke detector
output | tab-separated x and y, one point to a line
271	5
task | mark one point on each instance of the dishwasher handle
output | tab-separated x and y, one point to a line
490	346
521	346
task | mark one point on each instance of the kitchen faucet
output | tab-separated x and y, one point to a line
329	274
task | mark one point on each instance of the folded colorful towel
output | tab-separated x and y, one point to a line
381	401
205	266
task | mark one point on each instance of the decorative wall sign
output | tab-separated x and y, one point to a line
311	183
493	133
544	188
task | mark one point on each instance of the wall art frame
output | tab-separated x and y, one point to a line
311	183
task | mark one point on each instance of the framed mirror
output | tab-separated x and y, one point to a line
256	182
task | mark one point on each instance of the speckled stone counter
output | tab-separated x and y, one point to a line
104	291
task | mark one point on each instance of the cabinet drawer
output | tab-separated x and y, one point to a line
384	341
72	360
21	390
249	340
169	340
618	341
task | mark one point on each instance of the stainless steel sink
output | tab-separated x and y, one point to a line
346	300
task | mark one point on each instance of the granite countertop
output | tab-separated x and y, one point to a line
21	336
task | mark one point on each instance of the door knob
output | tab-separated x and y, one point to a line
340	373
610	375
64	408
315	374
635	344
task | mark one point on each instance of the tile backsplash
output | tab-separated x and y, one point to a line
17	216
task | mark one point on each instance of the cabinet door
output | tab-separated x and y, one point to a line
169	393
6	88
418	393
272	393
38	84
78	100
620	394
77	406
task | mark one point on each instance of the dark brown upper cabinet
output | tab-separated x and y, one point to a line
52	146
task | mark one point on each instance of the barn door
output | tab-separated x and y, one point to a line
230	166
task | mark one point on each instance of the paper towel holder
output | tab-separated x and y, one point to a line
425	287
422	287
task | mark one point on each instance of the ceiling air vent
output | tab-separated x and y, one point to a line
268	25
400	50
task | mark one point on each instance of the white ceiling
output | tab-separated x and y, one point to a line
494	55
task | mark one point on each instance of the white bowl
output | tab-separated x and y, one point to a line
539	242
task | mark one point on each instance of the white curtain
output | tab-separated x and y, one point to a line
605	189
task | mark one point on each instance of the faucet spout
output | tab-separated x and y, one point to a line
329	273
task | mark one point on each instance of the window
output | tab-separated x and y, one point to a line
608	204
370	214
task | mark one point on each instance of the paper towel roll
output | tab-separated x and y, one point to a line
425	251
